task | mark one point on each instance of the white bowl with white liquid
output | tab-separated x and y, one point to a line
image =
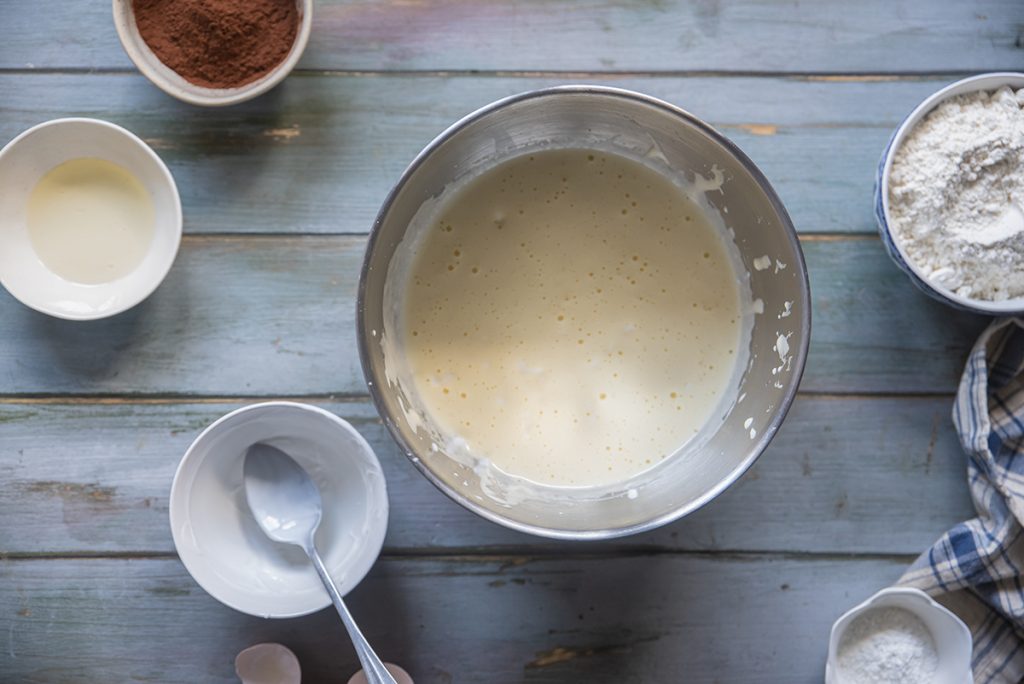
25	161
223	547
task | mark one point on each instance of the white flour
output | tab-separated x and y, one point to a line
887	646
956	195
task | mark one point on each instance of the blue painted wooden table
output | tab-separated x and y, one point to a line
279	194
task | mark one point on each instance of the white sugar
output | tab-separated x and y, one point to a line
887	646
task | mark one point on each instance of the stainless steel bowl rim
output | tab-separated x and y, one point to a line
756	450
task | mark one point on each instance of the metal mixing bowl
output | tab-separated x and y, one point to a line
641	127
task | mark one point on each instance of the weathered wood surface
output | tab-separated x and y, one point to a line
586	35
253	316
279	194
636	620
319	154
856	475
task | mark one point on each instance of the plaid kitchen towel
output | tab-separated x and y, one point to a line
976	568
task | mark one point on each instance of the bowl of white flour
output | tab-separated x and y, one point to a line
949	196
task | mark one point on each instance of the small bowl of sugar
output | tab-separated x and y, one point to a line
899	636
949	194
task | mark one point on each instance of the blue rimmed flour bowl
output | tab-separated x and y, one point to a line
891	241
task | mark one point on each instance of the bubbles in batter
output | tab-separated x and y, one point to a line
572	316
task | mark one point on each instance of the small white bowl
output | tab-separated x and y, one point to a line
24	161
891	241
952	637
169	81
219	541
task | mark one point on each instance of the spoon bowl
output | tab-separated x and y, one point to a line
282	497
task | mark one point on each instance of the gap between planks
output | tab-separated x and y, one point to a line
839	77
212	237
183	399
507	555
160	399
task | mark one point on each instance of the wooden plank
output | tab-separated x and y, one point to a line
587	35
640	619
874	331
235	316
255	316
838	474
320	154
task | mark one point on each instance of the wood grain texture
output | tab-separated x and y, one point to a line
256	316
873	331
319	154
631	620
279	194
843	476
587	35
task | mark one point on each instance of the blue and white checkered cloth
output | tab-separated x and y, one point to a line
976	568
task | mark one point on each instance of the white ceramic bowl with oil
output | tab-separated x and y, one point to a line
220	542
24	161
172	83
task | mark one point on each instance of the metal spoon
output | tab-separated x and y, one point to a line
286	504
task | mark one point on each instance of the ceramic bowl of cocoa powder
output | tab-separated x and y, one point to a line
214	53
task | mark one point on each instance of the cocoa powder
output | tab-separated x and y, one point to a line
218	43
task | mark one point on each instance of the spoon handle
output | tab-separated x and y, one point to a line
374	669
